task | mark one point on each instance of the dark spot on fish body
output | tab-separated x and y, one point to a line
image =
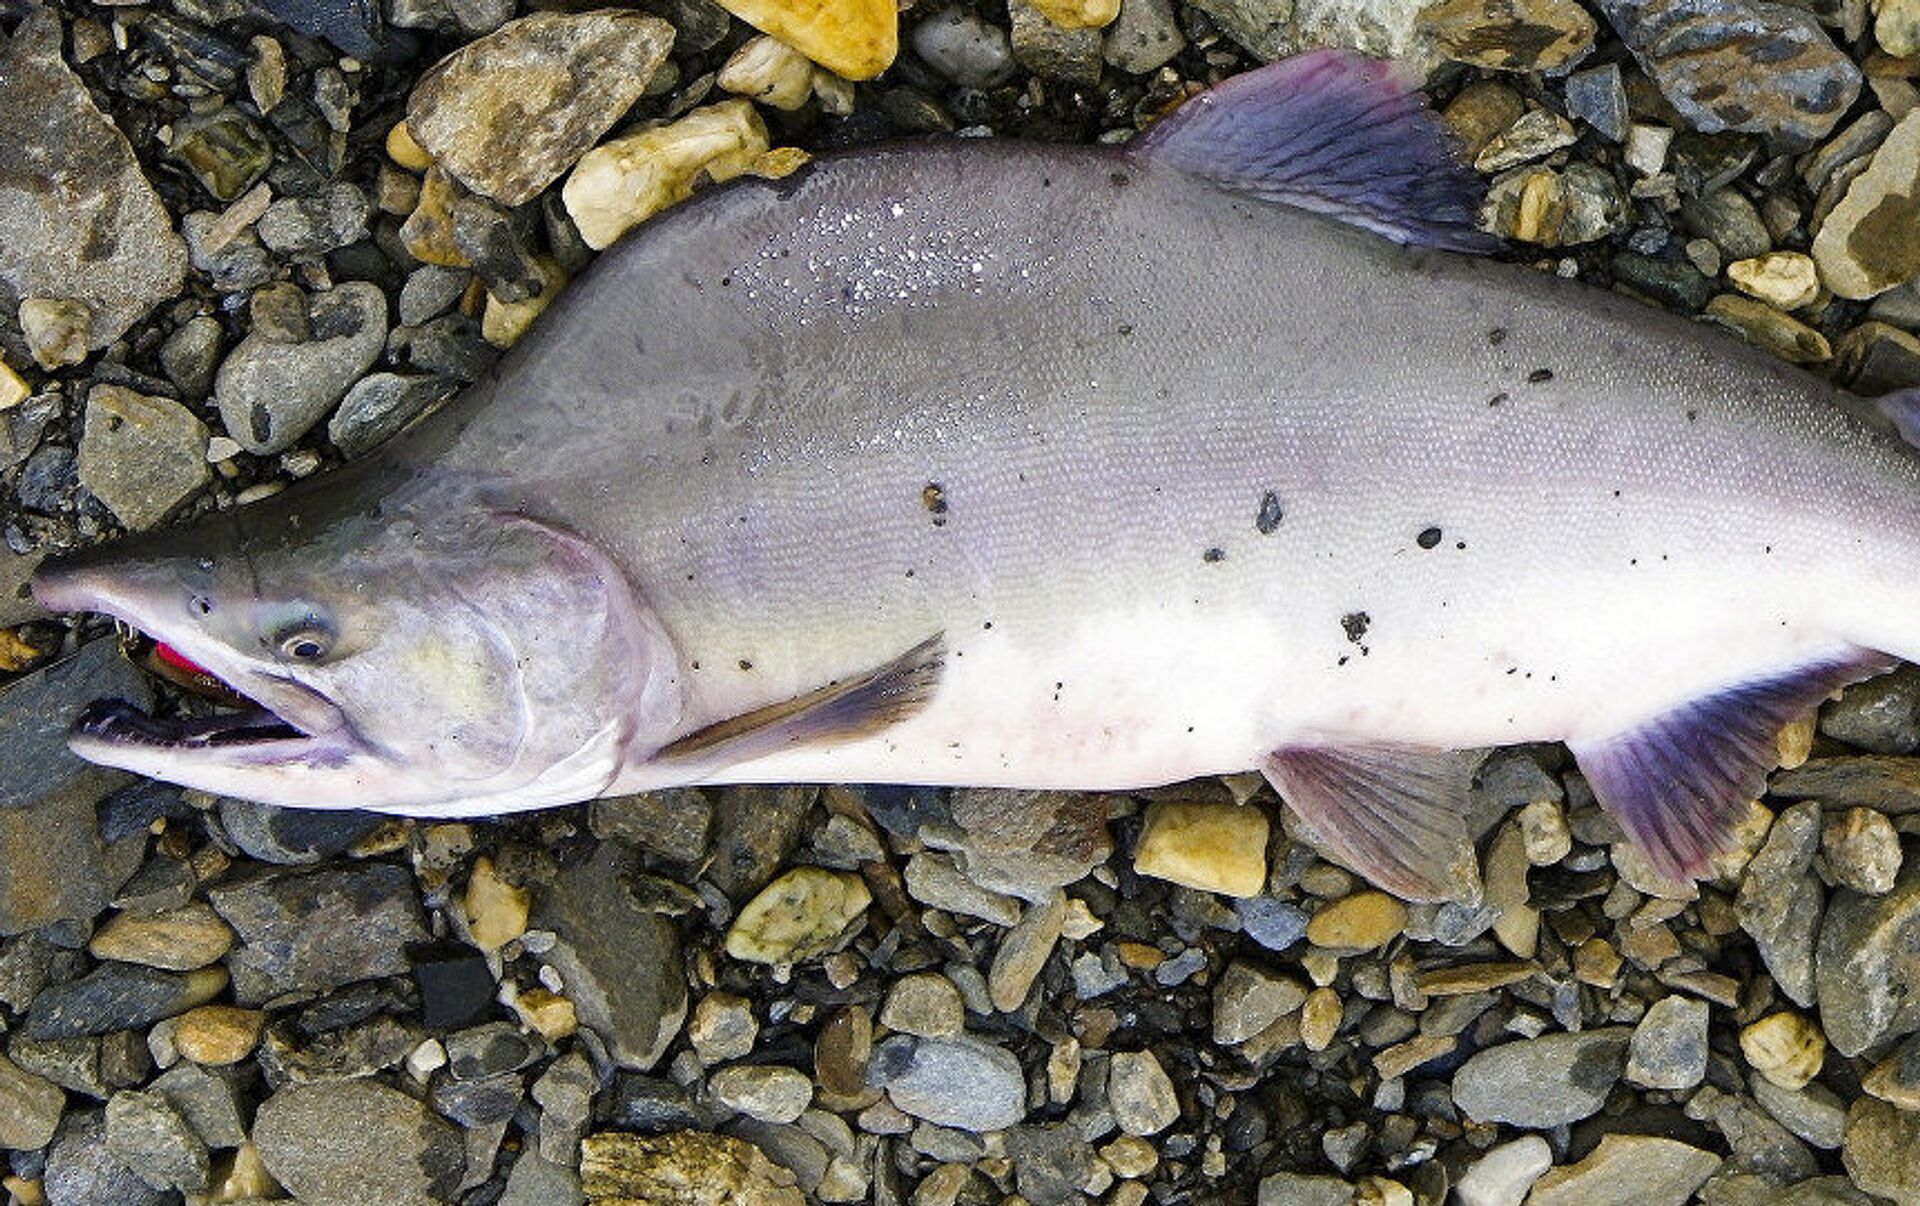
1428	538
1540	376
1693	416
1119	179
1214	554
1497	336
1267	520
745	664
1354	623
933	497
1497	400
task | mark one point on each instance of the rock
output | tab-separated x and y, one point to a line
932	879
290	837
1273	923
270	394
1870	243
690	1167
1769	329
1781	900
961	1082
1248	999
625	181
1628	1170
217	1035
1477	113
1023	843
1271	29
798	916
1784	279
29	1108
508	113
1542	1082
316	224
965	49
1862	850
1732	65
149	1136
1024	952
1140	1093
1880	1147
456	986
1503	1176
1212	847
1896	1079
769	71
79	221
496	909
675	824
1299	1189
926	1005
1536	134
1867	965
119	996
1598	97
347	1142
177	940
1554	209
1813	1113
1144	38
1509	35
1730	220
56	330
857	39
1784	1047
315	930
141	456
81	1171
767	1092
1364	921
381	405
1669	1046
1052	51
534	1181
722	1027
620	962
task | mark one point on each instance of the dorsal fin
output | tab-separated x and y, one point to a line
1336	133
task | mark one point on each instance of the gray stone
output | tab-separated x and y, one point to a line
191	354
933	879
620	962
1302	1189
1781	900
78	220
379	407
1024	843
965	49
490	1049
1814	1113
767	1092
674	824
350	1142
315	930
1051	51
564	1093
144	457
145	1133
1273	923
208	1100
1144	38
1867	965
1248	999
1542	1082
1882	1149
510	112
1051	1164
431	290
754	829
81	1171
925	1004
961	1082
119	996
271	393
1889	785
1730	220
29	1108
1880	716
1503	1176
312	225
292	837
1862	850
1628	1170
1140	1093
1598	97
534	1181
1669	1046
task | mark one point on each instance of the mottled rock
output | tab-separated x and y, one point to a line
56	330
1050	50
1767	328
1144	38
148	1135
315	930
380	405
177	940
1862	850
1023	843
1867	968
293	837
1787	280
1882	1149
857	39
1536	134
1248	999
798	916
1785	1047
1542	1082
349	1142
767	1092
1140	1093
722	1027
961	1082
142	456
926	1005
769	71
1628	1170
119	996
1509	35
1870	243
683	1168
81	1171
1024	951
1669	1046
29	1108
1598	97
271	393
78	220
1273	29
1303	1189
508	113
1781	900
312	225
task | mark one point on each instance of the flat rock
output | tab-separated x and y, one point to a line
1274	29
78	220
119	996
147	1134
81	1171
142	456
1510	35
1215	847
288	837
1882	1149
508	113
1781	900
1024	843
350	1142
177	940
1870	243
798	916
270	393
316	930
29	1108
1542	1082
1731	65
1628	1170
683	1167
1867	965
961	1082
1669	1046
1503	1176
380	405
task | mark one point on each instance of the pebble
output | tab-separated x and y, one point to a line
1862	850
1320	1016
57	330
30	1108
348	1142
217	1035
967	50
496	909
960	1081
1880	1147
1628	1170
1669	1045
1813	1113
317	929
768	1092
1503	1176
508	113
1863	967
798	916
1785	279
1364	921
1785	1047
1212	847
769	71
1140	1093
625	181
1598	97
856	38
926	1005
119	996
1537	134
933	879
147	1134
722	1027
1769	329
1870	242
1024	951
1053	51
1730	220
1144	38
1509	35
315	224
621	1168
1302	1189
289	837
1542	1082
177	940
380	405
271	393
1781	901
80	1170
1248	999
1024	843
80	221
142	456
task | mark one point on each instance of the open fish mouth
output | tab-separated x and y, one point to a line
117	722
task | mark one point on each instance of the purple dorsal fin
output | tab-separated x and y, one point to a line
1680	782
1334	132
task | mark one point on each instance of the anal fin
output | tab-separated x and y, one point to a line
843	711
1679	782
1394	813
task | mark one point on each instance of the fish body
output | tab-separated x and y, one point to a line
1062	467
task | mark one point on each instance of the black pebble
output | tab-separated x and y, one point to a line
456	989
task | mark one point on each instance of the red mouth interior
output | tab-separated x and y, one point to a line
179	661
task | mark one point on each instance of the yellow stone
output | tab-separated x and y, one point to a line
1213	847
1896	26
1596	963
1787	279
1867	244
1320	1019
857	38
779	163
1770	329
1795	743
177	940
217	1035
769	71
496	909
13	388
1785	1047
1079	14
403	150
797	916
1130	1157
428	231
1364	921
682	1168
503	323
241	1177
622	183
25	1192
553	1015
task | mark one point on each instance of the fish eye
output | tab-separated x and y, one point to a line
307	642
305	648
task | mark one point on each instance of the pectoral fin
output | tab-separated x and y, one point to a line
1394	813
1679	782
844	711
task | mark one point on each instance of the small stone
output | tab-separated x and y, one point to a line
1879	1150
1364	921
1598	97
1050	50
1730	220
551	1015
1503	1176
496	909
857	39
1144	38
1646	150
1024	843
149	1136
1537	134
1024	952
1301	1189
1212	847
1867	976
1780	900
1248	999
1509	35
1813	1113
767	1092
271	393
627	180
1669	1046
119	996
1628	1170
1401	1058
1320	1018
343	1142
1140	1093
961	1082
215	1036
314	225
456	986
317	929
1769	329
142	456
80	1169
722	1027
380	406
686	1166
1870	243
924	1004
178	940
508	113
932	879
1786	279
57	330
13	388
504	322
959	45
798	916
29	1108
1862	850
1079	14
1542	1082
1785	1047
769	71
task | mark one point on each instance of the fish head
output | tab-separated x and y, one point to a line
430	659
